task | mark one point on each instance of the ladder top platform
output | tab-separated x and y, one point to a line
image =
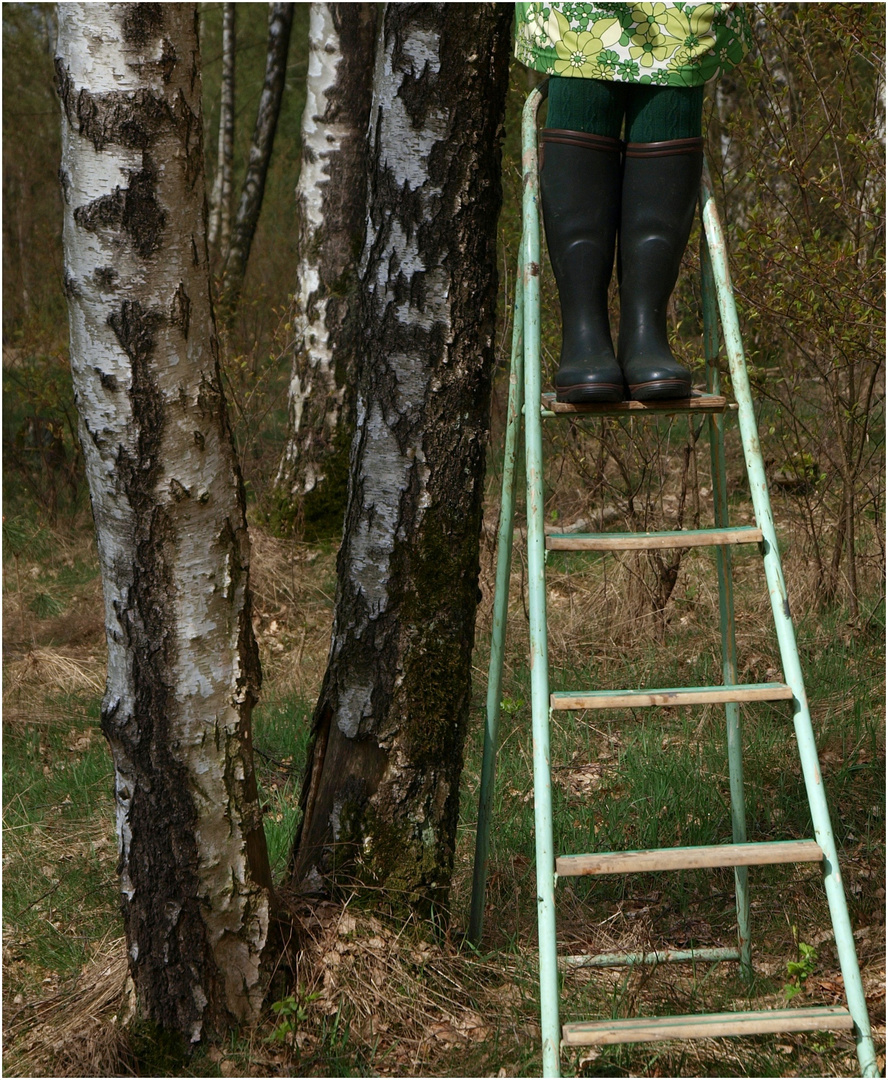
697	402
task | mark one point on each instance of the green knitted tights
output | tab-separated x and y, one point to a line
652	113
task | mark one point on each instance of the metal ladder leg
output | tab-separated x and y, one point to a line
539	662
726	607
500	617
786	636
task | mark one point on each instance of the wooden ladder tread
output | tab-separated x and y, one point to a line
682	695
689	858
706	1026
697	402
624	541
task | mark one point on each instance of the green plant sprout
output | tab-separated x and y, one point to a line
292	1011
799	970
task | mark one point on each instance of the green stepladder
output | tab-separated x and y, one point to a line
527	402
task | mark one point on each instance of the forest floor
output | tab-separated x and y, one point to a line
360	992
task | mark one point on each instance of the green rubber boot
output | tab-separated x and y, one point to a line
660	185
580	194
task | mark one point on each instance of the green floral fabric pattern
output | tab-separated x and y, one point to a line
680	44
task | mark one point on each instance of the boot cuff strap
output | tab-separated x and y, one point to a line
580	138
664	149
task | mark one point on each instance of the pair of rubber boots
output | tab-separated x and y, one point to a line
593	189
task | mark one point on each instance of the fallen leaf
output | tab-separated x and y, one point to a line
445	1033
472	1027
347	924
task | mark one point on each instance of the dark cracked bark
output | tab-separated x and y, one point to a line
183	668
331	206
381	793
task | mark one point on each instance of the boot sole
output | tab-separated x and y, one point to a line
660	390
584	394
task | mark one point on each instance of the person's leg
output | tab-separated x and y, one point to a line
661	180
580	195
592	106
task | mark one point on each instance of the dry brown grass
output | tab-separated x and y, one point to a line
412	1002
293	592
75	1031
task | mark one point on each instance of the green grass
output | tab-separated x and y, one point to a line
59	853
280	740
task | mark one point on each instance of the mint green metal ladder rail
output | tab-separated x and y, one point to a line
526	401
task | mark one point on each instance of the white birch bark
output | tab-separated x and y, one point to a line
320	141
220	200
182	663
331	198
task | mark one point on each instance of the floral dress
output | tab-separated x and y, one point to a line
681	44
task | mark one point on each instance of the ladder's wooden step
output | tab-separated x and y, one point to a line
706	1026
698	402
623	541
682	695
689	858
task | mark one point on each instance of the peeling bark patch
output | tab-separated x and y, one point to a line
168	60
180	310
178	491
65	182
72	290
134	209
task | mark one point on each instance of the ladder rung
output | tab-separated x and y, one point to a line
624	541
682	695
706	1026
654	957
698	402
689	858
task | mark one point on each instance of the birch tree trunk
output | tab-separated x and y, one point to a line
220	201
331	203
280	22
381	793
183	669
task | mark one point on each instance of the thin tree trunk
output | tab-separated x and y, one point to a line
280	21
331	204
220	202
381	793
183	668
